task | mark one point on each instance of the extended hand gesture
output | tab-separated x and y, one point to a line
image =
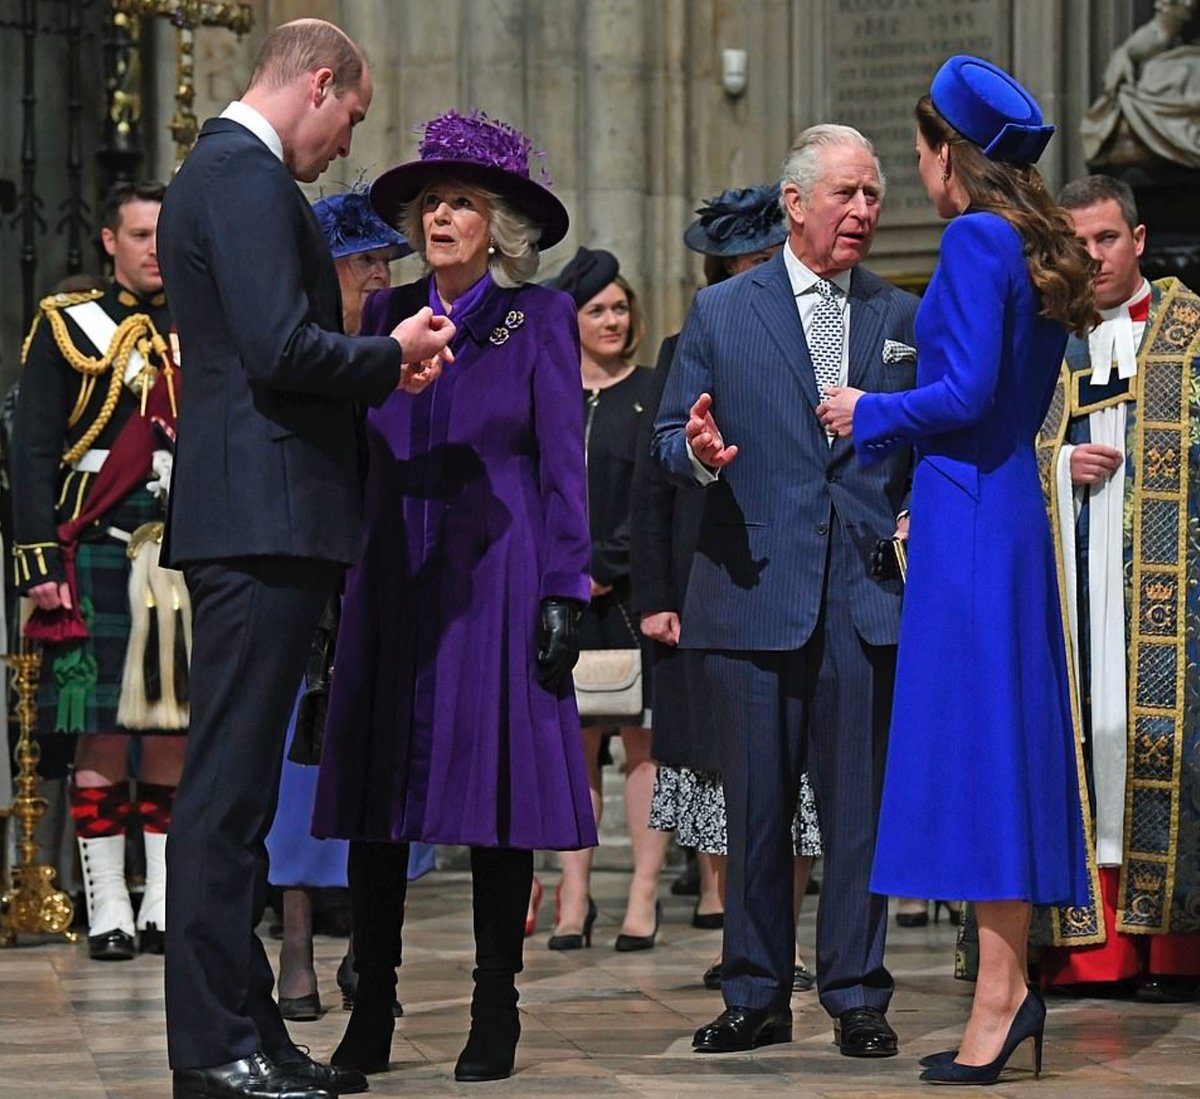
424	344
416	376
704	437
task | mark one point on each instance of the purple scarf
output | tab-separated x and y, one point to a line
463	306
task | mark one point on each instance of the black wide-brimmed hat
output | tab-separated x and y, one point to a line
738	221
476	150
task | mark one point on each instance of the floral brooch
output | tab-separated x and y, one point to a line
512	322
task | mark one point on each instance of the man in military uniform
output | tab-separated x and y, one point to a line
97	400
1120	449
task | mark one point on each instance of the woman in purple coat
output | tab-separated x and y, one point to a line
451	716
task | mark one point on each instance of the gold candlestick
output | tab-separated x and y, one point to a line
32	906
186	16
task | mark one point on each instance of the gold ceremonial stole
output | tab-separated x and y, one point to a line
1075	925
1160	447
1158	626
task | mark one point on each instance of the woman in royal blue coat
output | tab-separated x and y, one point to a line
980	797
452	716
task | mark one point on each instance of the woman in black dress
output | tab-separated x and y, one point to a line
615	404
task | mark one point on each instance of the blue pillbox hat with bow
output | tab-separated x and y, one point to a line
983	103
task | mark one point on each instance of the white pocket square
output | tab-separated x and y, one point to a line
896	352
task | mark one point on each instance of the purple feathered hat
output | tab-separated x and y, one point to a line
480	151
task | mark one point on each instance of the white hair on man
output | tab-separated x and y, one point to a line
803	167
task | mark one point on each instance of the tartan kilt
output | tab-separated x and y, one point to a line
102	575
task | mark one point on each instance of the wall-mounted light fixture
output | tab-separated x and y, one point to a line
733	72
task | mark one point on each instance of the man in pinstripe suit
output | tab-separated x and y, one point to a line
799	637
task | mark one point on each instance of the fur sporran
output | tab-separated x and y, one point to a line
154	682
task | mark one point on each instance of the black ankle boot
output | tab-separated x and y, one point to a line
378	883
367	1043
500	883
491	1047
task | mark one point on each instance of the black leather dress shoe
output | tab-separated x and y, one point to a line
111	946
252	1077
864	1032
712	977
741	1028
803	979
301	1068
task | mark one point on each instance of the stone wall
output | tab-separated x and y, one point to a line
626	98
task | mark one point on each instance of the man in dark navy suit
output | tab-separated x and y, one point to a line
799	636
265	513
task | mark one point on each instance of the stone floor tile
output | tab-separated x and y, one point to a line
594	1022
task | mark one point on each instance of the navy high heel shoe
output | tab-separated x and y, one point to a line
1030	1022
950	1054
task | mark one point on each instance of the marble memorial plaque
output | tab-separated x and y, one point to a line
881	57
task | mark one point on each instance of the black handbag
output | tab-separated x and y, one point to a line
889	560
310	712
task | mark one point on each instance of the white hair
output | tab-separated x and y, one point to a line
514	236
803	167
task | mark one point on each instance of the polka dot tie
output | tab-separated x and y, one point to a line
825	336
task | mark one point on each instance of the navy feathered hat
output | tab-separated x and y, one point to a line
738	221
589	271
351	225
983	103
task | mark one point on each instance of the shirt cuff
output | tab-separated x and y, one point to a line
704	475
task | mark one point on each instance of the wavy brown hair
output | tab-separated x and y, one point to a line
1059	265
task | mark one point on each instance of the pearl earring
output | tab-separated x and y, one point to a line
492	248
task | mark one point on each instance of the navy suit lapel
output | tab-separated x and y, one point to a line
867	315
775	305
866	325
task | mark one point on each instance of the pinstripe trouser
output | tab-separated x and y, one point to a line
824	707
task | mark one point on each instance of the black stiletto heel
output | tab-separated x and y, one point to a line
1030	1022
576	941
626	943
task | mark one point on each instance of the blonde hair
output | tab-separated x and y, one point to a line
513	235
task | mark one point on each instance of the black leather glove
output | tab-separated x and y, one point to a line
557	639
